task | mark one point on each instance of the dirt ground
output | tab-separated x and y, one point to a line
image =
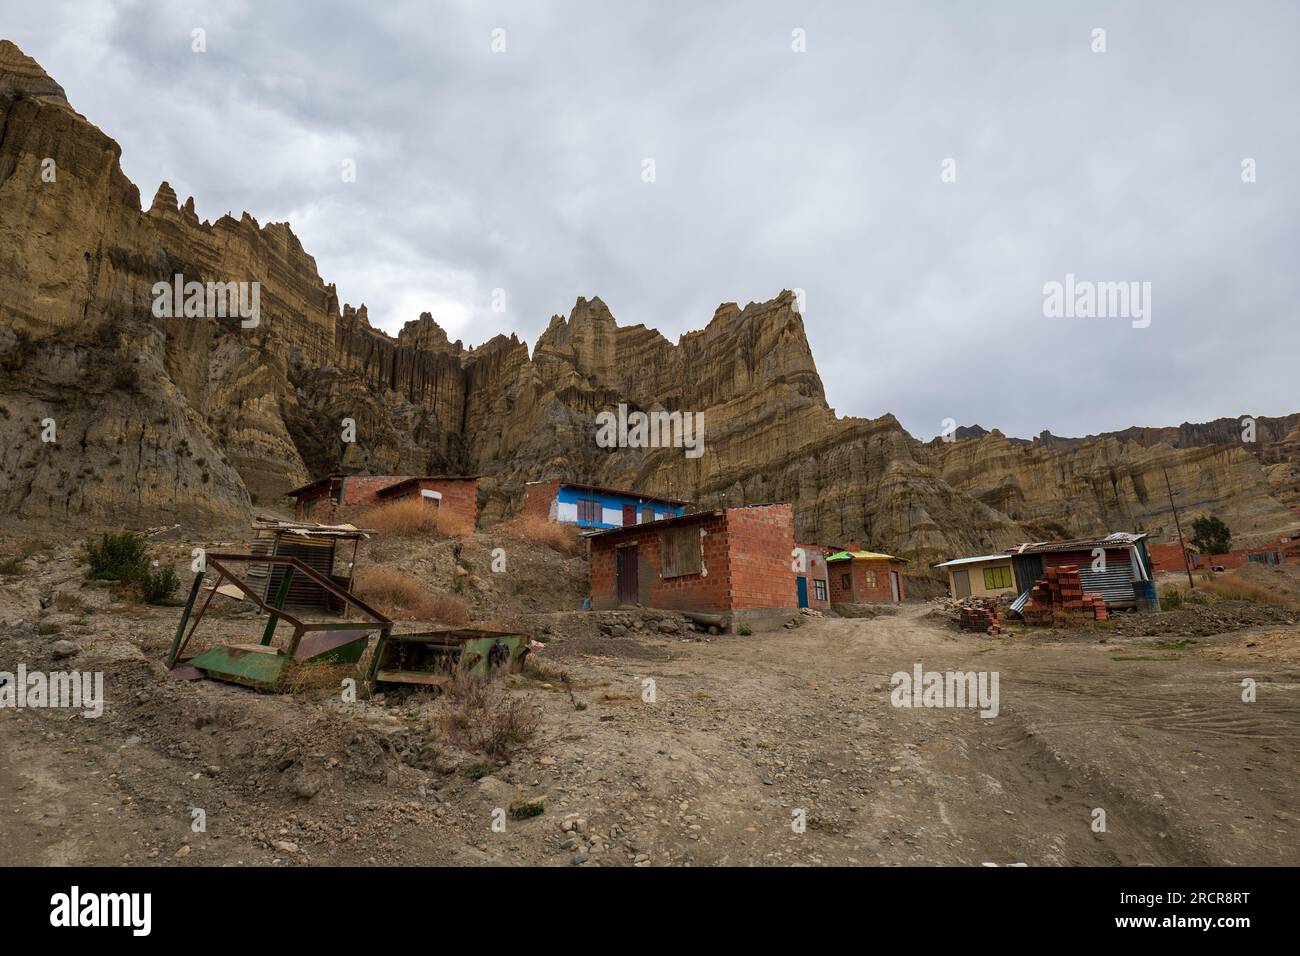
779	748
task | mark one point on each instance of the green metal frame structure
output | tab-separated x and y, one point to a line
263	665
429	658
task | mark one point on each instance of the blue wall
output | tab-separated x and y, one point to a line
611	507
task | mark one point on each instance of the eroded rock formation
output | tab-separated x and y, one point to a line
195	419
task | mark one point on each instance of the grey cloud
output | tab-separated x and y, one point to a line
775	170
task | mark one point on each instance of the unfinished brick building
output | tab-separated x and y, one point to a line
865	577
721	566
341	498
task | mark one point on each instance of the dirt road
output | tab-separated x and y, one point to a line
776	748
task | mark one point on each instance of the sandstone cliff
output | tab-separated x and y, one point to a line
195	419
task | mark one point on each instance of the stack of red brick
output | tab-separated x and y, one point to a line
1060	590
982	616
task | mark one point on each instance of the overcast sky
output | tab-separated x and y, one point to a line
819	170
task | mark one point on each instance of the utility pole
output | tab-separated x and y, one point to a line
1181	546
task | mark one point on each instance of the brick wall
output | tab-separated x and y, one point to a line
815	562
760	541
539	498
868	581
747	556
1166	557
459	495
707	592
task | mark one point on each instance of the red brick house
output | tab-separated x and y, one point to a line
812	582
865	577
340	498
732	564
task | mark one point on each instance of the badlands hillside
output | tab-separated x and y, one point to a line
201	420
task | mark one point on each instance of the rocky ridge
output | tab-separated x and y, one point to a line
196	419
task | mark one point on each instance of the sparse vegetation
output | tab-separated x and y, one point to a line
1211	535
477	771
410	517
11	566
563	538
523	809
401	596
1171	599
118	557
69	601
158	586
480	715
1239	589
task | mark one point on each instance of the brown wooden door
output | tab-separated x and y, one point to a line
628	592
629	515
961	583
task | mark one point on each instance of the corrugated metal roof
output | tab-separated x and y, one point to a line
309	529
621	493
1118	539
974	560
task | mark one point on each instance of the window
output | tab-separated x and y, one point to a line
995	578
871	579
819	589
647	513
588	510
682	552
846	581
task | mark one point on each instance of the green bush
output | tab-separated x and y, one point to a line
157	587
1171	599
118	557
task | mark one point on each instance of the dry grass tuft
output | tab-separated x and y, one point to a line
536	530
1239	589
412	517
480	715
402	597
317	680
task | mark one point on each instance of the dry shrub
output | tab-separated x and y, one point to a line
401	596
454	525
538	530
480	715
69	601
1235	588
317	679
412	517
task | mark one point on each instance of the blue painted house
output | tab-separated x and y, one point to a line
589	506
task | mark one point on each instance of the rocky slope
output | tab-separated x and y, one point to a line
195	419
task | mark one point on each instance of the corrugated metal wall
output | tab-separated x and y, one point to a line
315	552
